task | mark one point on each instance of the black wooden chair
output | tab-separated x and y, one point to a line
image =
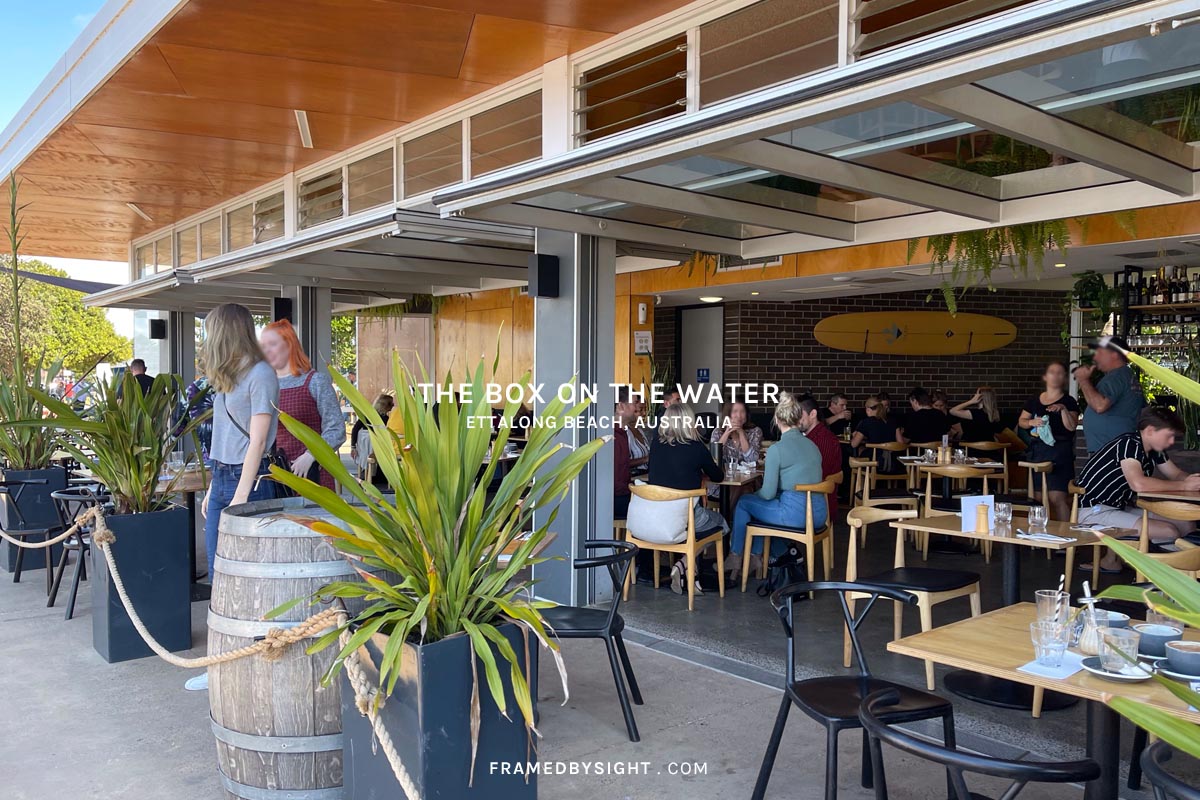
12	491
833	701
875	714
1165	784
577	622
70	503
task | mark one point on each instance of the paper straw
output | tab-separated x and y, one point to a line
1062	581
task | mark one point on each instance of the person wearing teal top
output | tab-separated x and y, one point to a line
791	461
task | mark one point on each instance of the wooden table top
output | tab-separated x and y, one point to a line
192	480
951	525
985	466
739	479
998	642
546	541
1171	494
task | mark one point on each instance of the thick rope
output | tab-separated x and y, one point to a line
80	522
365	694
271	647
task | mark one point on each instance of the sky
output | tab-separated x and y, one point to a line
37	34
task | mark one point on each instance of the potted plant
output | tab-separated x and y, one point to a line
452	640
25	452
126	439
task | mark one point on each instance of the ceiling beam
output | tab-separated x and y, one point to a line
634	192
332	273
449	251
422	266
850	175
995	112
609	228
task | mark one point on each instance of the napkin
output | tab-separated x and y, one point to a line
1071	663
1041	537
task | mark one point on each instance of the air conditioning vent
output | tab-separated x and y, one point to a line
838	288
1156	253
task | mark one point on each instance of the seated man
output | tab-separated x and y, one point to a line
923	423
1132	463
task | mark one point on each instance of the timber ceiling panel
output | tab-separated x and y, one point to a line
204	111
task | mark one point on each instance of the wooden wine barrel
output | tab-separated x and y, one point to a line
278	730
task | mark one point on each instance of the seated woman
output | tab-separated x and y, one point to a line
360	439
876	429
740	440
980	416
793	460
678	460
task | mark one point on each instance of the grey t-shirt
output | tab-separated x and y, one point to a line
256	393
1121	387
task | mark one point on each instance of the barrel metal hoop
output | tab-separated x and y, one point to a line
298	569
277	744
258	793
250	628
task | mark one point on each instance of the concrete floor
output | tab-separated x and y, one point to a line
77	726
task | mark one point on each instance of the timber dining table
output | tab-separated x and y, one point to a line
980	687
726	485
997	643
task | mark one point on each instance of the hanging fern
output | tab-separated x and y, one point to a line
972	256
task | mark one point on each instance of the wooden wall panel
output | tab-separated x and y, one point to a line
623	341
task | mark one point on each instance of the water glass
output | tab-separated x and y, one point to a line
175	463
730	466
1003	512
1118	648
1038	517
1053	605
930	455
1049	642
960	455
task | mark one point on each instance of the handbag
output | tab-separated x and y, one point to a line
274	457
783	570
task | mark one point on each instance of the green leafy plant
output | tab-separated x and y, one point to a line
443	532
126	437
972	256
26	447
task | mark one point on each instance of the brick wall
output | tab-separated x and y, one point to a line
773	341
664	340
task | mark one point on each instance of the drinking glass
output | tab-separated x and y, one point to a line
930	455
175	463
1053	605
730	466
1049	642
1003	512
1038	517
1155	618
1118	648
960	455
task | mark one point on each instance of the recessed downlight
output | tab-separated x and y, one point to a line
754	294
1060	266
842	278
711	299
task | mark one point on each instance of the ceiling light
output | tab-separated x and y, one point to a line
754	294
139	212
305	132
711	299
1060	266
842	278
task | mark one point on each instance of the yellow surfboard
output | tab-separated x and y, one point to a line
915	333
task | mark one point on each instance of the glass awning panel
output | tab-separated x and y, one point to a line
647	215
1144	92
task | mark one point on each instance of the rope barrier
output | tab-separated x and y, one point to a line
271	647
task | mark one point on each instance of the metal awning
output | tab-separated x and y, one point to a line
382	261
962	130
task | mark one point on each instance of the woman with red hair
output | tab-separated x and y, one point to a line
304	393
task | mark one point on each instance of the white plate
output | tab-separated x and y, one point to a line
1092	665
1179	676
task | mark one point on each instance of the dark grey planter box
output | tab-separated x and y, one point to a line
151	552
37	507
428	716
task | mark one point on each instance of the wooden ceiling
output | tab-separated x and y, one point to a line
205	110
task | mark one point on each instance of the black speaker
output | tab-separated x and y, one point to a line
543	275
281	308
158	328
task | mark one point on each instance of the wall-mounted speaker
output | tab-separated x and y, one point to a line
281	308
543	275
158	328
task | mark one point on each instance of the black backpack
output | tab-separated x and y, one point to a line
783	570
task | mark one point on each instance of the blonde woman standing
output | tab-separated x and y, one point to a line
245	415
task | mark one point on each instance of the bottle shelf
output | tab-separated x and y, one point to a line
1166	307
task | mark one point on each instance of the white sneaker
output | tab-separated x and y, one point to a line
199	683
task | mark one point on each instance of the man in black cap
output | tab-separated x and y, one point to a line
1113	403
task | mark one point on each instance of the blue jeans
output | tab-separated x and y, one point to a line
788	509
222	484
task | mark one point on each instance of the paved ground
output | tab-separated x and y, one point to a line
77	727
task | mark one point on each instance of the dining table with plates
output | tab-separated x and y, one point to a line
998	644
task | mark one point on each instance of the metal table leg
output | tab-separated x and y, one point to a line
1103	747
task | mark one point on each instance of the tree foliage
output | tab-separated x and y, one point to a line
345	347
55	325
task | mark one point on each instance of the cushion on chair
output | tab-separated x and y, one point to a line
838	698
573	622
924	579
